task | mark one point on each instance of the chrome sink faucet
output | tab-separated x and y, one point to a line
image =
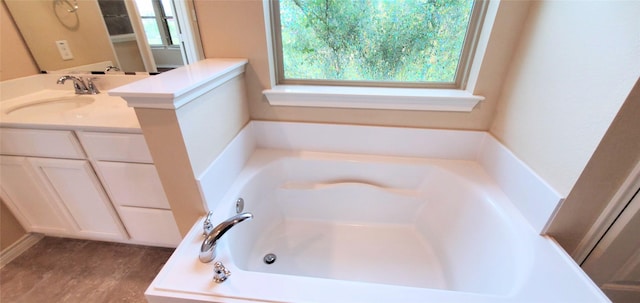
208	248
79	84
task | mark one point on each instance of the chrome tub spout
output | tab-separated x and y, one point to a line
208	248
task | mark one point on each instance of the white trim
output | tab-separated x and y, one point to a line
372	97
190	35
608	215
17	248
266	10
482	44
123	38
141	38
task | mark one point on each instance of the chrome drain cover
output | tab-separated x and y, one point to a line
269	258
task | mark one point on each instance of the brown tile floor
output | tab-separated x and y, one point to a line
68	270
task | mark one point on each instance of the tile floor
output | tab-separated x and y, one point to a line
69	270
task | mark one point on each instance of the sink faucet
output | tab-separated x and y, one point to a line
208	248
79	84
110	68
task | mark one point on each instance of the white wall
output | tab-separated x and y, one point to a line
574	67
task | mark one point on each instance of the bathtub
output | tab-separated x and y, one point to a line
436	224
352	227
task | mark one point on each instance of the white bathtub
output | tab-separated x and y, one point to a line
436	224
365	228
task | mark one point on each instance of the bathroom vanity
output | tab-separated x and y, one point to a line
78	165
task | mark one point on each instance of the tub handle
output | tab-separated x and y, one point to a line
220	273
207	226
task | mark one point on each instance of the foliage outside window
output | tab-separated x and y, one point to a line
423	43
159	23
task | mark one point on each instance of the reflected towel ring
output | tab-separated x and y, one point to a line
72	7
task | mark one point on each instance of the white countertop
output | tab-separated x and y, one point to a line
177	87
105	113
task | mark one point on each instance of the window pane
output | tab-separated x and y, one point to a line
375	40
145	8
173	31
166	7
152	32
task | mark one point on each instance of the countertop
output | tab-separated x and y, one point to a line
105	113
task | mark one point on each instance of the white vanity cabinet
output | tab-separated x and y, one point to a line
90	185
51	188
127	172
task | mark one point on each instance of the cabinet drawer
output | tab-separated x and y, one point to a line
151	226
40	143
133	184
116	147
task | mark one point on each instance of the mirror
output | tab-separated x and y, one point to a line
90	35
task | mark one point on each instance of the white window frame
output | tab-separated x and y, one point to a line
427	99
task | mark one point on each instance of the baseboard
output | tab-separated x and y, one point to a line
17	248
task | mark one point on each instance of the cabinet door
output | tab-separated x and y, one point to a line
31	205
151	226
77	188
133	184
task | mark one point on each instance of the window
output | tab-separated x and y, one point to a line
159	23
388	43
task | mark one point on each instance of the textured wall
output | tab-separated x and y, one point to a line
42	23
15	59
576	64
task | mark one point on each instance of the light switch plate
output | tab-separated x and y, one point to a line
65	51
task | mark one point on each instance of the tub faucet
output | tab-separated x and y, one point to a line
79	85
208	248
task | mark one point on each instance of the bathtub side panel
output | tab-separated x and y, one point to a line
373	140
216	180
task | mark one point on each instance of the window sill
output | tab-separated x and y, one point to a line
372	98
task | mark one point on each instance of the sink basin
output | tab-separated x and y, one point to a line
51	105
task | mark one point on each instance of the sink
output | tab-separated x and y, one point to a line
51	105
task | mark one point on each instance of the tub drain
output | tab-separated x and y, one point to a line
269	258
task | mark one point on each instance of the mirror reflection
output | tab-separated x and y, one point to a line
108	35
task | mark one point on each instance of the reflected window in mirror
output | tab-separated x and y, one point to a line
159	23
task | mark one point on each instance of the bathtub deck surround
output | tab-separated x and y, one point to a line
188	116
448	204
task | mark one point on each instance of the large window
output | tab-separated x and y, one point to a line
394	43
